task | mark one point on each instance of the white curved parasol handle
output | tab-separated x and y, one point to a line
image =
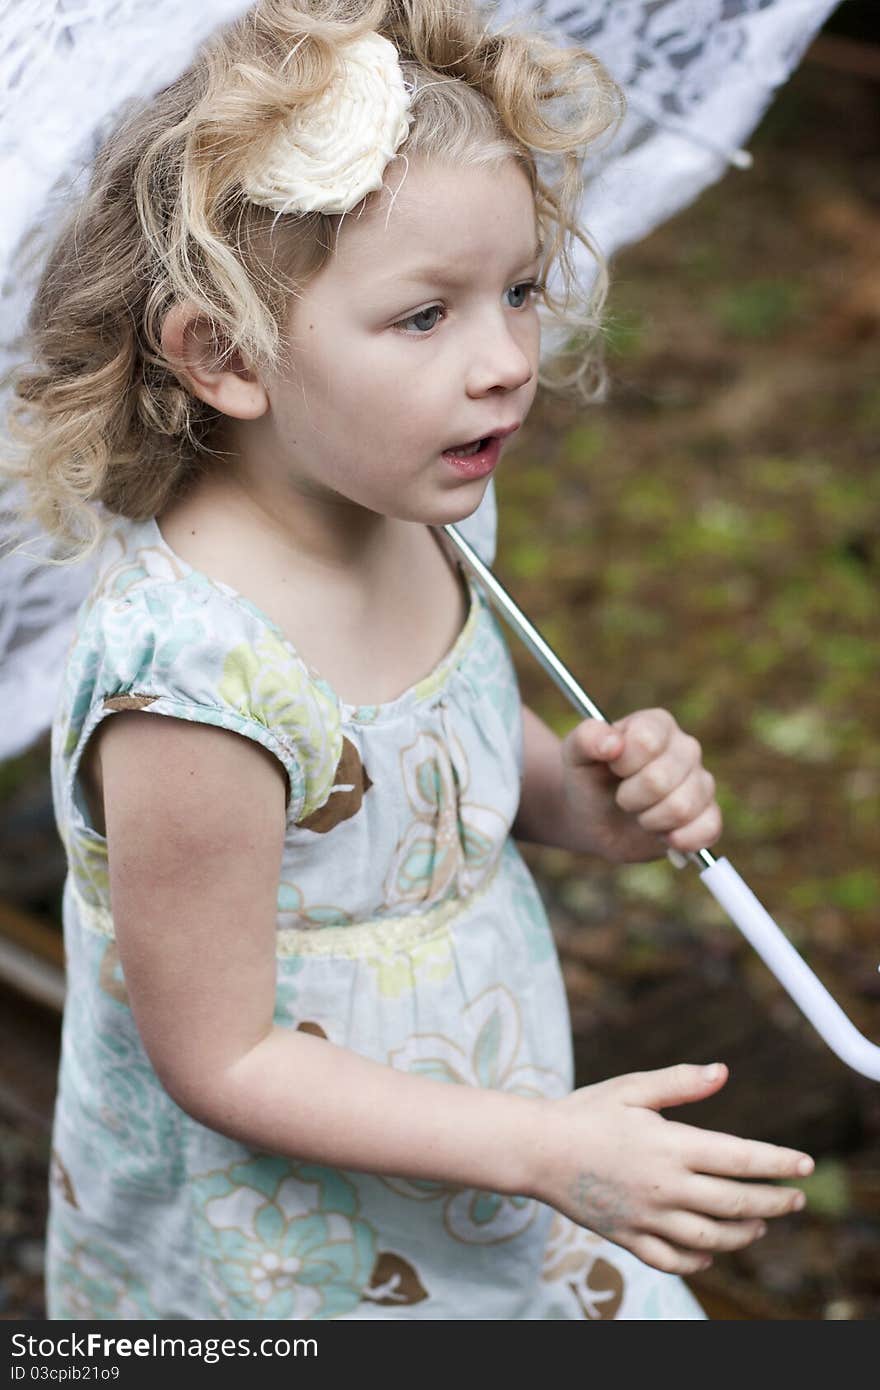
719	875
792	971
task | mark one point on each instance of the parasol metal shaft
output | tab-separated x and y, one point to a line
719	875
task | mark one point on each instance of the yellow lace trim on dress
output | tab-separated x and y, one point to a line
355	939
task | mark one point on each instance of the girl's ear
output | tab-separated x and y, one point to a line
230	386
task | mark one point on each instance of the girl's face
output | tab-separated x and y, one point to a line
418	334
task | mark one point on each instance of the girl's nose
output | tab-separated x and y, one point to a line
502	357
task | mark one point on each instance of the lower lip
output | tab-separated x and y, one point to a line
476	465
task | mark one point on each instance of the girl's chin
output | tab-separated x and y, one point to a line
446	508
463	503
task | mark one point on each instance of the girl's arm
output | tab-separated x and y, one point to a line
195	819
540	819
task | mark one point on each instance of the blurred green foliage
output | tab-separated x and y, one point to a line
759	309
827	1189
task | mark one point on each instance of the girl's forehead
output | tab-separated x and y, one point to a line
432	216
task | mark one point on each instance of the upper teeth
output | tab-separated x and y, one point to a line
467	448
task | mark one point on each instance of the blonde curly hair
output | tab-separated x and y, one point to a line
98	414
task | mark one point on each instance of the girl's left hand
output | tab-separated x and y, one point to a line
655	776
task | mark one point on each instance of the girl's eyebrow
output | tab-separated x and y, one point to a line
442	275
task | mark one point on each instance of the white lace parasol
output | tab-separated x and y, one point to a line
698	74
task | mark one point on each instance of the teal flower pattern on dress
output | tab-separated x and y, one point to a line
493	1023
527	909
121	1114
283	1240
287	990
491	674
90	1281
294	912
451	842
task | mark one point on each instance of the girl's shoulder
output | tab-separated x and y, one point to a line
147	604
154	634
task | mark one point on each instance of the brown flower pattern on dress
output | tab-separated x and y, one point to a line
61	1179
394	1282
571	1257
602	1293
117	702
314	1028
351	783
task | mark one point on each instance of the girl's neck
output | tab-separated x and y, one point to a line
404	599
336	540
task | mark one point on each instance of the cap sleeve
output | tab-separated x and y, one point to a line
185	649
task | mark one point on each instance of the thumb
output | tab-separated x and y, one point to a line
593	741
676	1085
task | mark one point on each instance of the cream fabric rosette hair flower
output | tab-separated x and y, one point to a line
333	151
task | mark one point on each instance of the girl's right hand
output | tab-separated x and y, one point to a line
668	1192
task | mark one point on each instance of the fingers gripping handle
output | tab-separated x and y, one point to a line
810	995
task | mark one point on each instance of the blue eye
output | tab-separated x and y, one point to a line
532	288
414	318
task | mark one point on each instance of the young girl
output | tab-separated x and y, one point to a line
317	1057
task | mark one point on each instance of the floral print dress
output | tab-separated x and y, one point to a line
409	929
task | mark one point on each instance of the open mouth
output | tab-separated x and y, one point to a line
466	450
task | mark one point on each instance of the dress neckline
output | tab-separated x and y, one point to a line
428	688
